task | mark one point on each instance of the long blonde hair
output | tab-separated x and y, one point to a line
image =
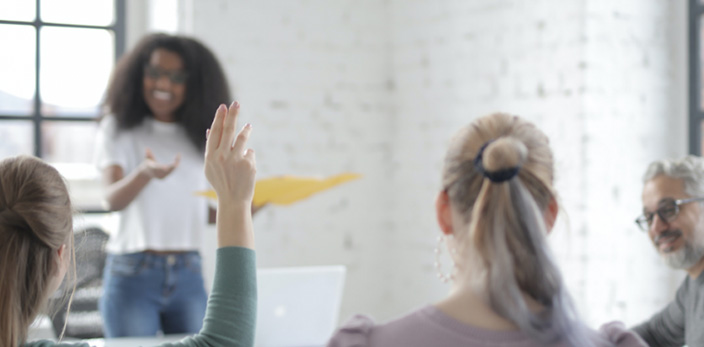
35	221
504	238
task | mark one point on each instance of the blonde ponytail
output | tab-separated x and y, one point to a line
498	173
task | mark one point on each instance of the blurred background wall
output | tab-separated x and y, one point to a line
378	87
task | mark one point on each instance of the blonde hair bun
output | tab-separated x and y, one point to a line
504	153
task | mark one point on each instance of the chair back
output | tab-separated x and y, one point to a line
84	320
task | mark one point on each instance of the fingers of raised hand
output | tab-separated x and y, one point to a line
250	160
241	140
214	134
230	147
249	156
228	135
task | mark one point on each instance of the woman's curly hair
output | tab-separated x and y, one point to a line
206	85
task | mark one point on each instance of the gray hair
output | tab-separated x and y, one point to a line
689	169
505	229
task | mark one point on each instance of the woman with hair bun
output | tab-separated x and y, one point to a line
496	206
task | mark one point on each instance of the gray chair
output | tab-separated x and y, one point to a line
84	320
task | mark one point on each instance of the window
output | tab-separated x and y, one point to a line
696	92
56	62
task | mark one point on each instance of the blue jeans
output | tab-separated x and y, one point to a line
144	293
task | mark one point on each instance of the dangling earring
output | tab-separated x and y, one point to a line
438	264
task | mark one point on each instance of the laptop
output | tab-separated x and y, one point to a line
298	306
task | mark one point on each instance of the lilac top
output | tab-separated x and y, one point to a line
431	327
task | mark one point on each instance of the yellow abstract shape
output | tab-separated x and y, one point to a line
285	190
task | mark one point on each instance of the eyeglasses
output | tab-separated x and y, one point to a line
668	209
176	77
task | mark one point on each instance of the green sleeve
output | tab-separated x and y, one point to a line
231	315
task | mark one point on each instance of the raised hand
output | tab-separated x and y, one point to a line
153	169
231	169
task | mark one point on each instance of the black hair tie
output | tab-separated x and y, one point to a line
498	176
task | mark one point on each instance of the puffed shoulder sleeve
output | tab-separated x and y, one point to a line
618	335
355	333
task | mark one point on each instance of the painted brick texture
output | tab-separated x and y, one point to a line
378	88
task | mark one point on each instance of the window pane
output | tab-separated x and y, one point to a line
19	10
68	142
84	184
17	68
701	64
92	12
701	138
16	137
75	67
69	147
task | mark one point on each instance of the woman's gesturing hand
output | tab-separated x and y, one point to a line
153	169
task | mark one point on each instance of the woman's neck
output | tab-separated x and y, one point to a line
164	118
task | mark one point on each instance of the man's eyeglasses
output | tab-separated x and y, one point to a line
668	209
176	77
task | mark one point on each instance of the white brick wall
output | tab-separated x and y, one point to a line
378	87
456	61
633	114
314	81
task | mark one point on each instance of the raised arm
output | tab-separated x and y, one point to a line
230	168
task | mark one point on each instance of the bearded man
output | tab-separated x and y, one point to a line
673	217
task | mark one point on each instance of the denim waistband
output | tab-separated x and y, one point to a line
148	259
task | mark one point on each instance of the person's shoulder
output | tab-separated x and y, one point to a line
108	125
362	331
617	334
353	333
690	287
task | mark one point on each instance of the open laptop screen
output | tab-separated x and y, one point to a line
298	306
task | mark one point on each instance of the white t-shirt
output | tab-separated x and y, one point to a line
166	214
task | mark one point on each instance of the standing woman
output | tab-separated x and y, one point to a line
149	150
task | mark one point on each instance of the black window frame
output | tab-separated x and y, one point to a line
696	111
36	117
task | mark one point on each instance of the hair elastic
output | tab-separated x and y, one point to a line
498	176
